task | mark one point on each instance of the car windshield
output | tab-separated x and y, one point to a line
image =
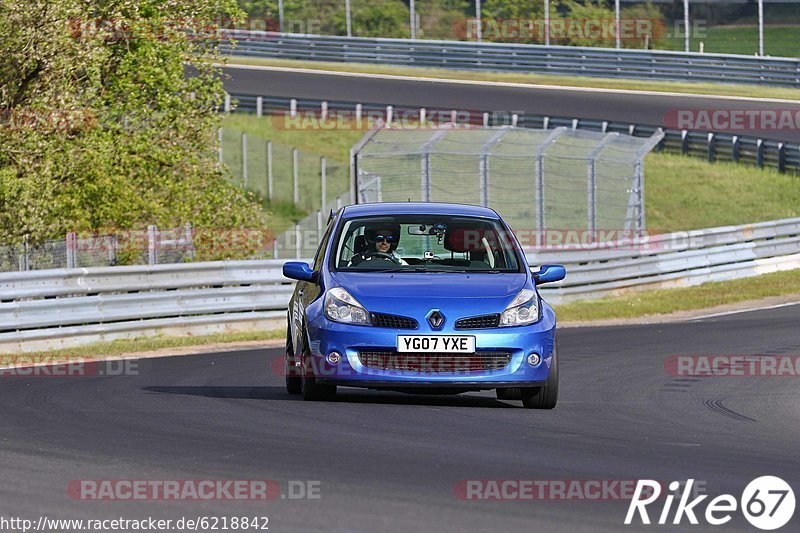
424	243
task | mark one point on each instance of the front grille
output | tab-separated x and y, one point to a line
435	362
384	320
478	322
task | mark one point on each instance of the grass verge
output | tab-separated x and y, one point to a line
149	344
683	193
665	301
714	89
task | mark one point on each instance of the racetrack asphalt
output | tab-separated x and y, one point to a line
632	107
389	462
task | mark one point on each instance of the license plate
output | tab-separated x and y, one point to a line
436	343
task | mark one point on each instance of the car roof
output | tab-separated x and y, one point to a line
418	208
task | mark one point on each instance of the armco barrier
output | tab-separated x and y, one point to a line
69	307
560	60
760	152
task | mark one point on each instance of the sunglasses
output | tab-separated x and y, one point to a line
387	238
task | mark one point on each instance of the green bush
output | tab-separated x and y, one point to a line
101	127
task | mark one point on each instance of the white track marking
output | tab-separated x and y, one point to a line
726	313
559	88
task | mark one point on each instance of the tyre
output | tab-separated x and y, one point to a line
545	397
290	369
309	388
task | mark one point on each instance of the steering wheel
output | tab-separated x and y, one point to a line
382	255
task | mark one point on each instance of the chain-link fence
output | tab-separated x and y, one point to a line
539	180
152	246
280	173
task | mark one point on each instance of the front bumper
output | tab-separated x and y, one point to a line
326	336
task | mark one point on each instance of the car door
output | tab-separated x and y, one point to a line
306	292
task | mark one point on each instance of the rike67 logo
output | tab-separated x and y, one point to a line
767	503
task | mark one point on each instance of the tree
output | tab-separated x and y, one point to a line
101	126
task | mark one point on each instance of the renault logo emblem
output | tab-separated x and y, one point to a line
436	319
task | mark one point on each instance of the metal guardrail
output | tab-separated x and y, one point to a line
62	307
760	152
560	60
46	309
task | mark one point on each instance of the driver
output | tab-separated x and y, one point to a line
381	245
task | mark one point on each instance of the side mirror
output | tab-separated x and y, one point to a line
299	271
549	274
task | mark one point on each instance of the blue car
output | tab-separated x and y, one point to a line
421	298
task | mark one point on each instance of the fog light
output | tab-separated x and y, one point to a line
334	358
534	359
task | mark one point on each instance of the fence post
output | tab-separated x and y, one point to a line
735	148
359	109
152	245
389	110
592	183
297	241
422	116
483	174
592	197
296	177
353	177
711	147
781	157
760	153
425	165
188	235
323	180
319	226
244	159
323	110
684	142
640	198
293	107
269	170
219	143
113	245
227	103
25	257
72	245
275	249
259	106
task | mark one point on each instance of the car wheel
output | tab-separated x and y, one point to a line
290	369
309	388
545	397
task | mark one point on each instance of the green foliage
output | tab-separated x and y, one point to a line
101	128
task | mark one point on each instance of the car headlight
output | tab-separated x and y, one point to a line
340	306
522	311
